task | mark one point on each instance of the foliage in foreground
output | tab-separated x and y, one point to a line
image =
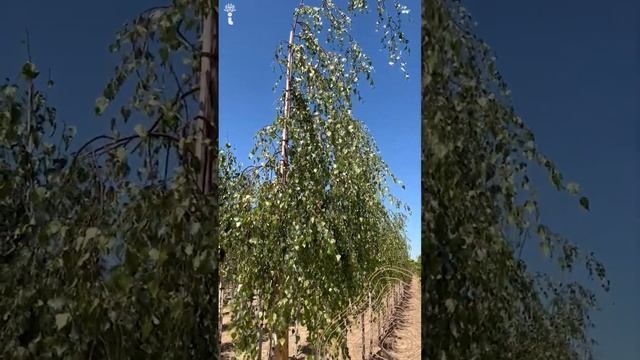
96	260
480	299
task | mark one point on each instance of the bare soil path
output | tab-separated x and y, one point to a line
403	342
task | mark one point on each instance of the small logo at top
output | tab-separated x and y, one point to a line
229	9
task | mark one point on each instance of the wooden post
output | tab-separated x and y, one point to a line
379	324
270	347
296	338
284	145
220	307
364	350
206	123
370	325
282	349
260	331
206	135
260	343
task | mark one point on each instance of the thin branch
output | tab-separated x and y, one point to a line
159	119
184	39
166	165
251	167
190	92
140	81
207	54
181	95
178	84
77	154
110	146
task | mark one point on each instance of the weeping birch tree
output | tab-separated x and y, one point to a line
482	301
313	217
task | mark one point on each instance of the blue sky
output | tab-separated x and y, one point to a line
390	110
71	41
574	70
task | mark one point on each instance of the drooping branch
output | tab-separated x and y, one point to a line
83	147
183	38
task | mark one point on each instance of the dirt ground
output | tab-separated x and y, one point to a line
400	336
404	340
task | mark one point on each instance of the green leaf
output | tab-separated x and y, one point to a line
29	71
195	228
584	202
91	232
573	188
450	304
83	258
41	192
125	112
121	154
546	249
556	179
530	206
146	328
141	131
56	303
154	254
62	320
101	104
53	227
121	279
10	91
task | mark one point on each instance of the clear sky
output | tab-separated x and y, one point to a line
391	110
573	68
70	39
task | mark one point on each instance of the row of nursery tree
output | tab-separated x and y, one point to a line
110	247
311	225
